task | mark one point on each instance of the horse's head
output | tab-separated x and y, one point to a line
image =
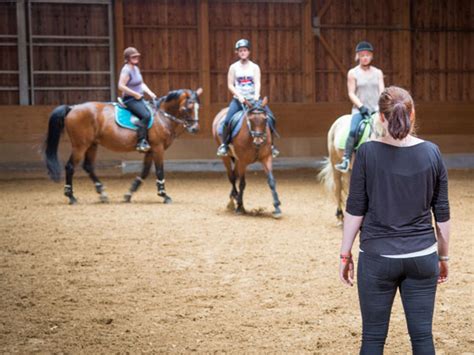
257	121
182	106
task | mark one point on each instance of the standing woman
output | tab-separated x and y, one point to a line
364	85
397	182
132	86
243	81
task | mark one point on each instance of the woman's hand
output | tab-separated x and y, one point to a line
138	96
443	272
346	270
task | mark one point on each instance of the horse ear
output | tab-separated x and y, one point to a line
265	101
199	91
248	103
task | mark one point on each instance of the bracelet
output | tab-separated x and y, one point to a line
345	258
443	258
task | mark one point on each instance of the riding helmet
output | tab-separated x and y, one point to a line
242	43
128	52
364	46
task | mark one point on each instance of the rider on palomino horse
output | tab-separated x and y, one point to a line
365	84
132	86
243	81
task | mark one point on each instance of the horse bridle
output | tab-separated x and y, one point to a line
253	133
187	121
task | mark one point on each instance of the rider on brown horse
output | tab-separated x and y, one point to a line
132	86
243	81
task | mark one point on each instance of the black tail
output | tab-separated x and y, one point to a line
55	128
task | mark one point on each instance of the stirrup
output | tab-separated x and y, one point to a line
223	150
275	152
143	146
343	166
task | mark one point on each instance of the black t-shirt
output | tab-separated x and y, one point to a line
395	189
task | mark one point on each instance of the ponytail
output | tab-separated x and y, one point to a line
399	124
397	105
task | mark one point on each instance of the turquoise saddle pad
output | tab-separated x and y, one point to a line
125	119
235	124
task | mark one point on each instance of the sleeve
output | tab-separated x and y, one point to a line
440	202
357	201
125	71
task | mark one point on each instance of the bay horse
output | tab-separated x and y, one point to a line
251	144
334	180
91	124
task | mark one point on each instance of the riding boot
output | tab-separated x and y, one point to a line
142	143
346	160
223	149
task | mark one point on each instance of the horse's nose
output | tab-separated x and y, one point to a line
258	141
194	129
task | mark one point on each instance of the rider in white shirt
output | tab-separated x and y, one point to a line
243	81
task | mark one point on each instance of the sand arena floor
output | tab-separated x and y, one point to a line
192	276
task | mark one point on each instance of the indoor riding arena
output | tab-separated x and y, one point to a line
105	276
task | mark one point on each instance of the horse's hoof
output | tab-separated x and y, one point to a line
240	211
127	198
72	201
277	214
104	198
231	205
167	200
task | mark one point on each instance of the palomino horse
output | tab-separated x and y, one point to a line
93	123
253	143
334	180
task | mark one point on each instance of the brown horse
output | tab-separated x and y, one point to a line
253	143
93	123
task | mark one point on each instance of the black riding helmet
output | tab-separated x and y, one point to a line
242	43
364	46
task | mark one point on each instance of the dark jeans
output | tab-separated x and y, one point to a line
355	121
378	279
138	108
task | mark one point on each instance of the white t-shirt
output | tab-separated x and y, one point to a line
244	75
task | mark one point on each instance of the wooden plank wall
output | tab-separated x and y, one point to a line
70	20
8	53
166	33
425	46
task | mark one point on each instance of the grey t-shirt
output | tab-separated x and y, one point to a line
136	79
367	87
396	189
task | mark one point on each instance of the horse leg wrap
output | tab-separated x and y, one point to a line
136	184
160	185
99	187
272	184
68	190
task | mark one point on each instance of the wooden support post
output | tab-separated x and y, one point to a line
205	64
119	35
403	61
22	53
308	53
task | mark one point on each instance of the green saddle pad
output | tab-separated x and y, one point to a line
341	144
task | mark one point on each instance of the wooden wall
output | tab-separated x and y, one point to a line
8	54
304	49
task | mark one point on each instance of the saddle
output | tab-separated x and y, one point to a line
235	124
363	132
125	119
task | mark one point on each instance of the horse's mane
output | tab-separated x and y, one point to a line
173	95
